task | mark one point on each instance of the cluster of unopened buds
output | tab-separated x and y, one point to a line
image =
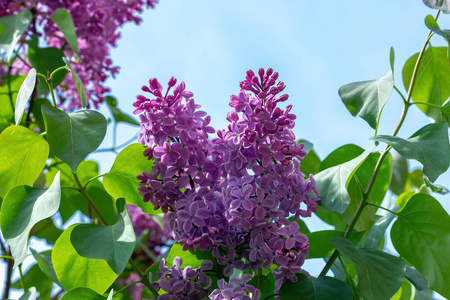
239	194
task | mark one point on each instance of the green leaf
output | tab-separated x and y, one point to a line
332	183
22	208
44	260
310	163
392	59
73	136
380	274
405	292
430	22
121	181
37	113
417	279
320	245
443	5
429	145
432	84
83	293
402	199
75	271
193	259
322	288
399	174
117	114
114	244
25	91
435	187
378	230
78	83
34	277
46	230
63	19
13	27
22	157
367	99
29	295
45	61
265	284
7	102
330	217
425	224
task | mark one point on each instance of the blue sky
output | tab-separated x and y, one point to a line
316	46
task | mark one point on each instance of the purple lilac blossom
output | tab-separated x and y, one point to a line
235	289
235	191
97	24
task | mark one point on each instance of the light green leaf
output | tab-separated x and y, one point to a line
34	277
83	293
78	84
435	187
378	230
311	162
113	244
322	288
75	271
73	136
380	274
63	19
366	99
429	145
117	114
417	279
44	260
22	208
193	259
25	91
29	295
405	292
431	23
13	28
399	174
425	224
432	84
121	181
320	245
22	157
332	183
7	102
443	5
392	59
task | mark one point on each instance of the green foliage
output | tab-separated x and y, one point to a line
7	98
380	274
78	84
22	157
73	270
429	145
320	245
86	294
25	91
29	295
399	174
44	260
421	235
35	278
121	181
378	230
63	19
417	279
73	136
22	208
322	288
11	29
118	115
193	259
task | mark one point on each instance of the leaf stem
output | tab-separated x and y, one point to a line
144	280
400	93
425	103
366	194
127	286
93	178
57	70
22	284
381	207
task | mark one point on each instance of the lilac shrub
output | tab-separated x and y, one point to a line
236	191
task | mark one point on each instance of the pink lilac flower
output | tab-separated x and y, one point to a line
236	191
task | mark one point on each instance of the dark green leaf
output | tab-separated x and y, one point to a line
75	271
63	19
432	84
13	26
341	155
83	293
29	295
45	60
73	136
380	274
378	230
443	5
78	84
429	145
47	230
367	99
37	113
320	245
405	292
117	114
330	217
113	244
34	277
322	288
25	91
332	183
22	208
44	260
399	174
193	259
266	284
7	102
121	181
22	157
425	224
417	279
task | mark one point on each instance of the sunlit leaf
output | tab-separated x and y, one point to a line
63	19
13	26
193	259
24	94
7	100
84	293
78	83
431	23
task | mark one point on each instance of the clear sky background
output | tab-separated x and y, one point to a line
316	46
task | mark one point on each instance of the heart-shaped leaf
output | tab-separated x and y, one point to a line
73	136
322	288
429	145
13	27
63	19
113	244
380	274
78	83
75	271
25	91
425	224
22	208
22	157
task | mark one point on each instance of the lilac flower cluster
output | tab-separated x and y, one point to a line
235	193
182	283
235	289
96	25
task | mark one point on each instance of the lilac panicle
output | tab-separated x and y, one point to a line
235	191
235	289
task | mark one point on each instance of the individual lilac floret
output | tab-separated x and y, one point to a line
182	283
236	289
